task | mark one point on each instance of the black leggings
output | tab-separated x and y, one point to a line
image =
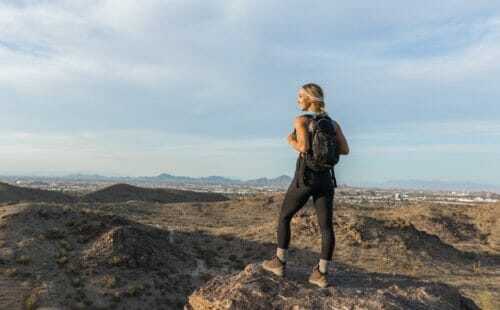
320	186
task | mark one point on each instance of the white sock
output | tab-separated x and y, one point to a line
281	253
323	265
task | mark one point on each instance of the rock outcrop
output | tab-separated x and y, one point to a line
134	246
254	288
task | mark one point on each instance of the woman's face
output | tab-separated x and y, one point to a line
303	100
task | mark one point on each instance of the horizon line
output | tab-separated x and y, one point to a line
381	184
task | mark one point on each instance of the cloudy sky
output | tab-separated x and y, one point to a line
207	87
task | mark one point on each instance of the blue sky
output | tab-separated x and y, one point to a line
203	88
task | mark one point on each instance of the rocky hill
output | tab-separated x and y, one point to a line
126	192
63	257
13	194
115	193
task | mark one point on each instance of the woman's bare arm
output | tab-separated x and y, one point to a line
301	142
344	147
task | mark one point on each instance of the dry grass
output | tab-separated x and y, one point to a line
109	281
54	233
71	268
62	260
23	259
76	281
32	301
11	272
412	266
476	267
66	245
116	296
485	300
133	290
115	261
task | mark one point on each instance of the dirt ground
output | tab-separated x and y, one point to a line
137	255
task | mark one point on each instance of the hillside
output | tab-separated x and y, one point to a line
143	255
13	194
126	192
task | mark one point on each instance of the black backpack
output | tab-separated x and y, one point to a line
324	150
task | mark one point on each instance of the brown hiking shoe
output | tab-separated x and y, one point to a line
275	265
318	278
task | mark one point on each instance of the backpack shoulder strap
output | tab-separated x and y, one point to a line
310	119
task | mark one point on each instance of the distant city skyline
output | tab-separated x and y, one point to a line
197	88
282	181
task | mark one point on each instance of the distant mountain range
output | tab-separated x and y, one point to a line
436	185
280	181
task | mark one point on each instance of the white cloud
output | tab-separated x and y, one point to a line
476	62
154	45
232	68
175	44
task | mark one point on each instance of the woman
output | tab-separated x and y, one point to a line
320	187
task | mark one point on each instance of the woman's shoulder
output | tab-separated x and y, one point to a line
303	118
336	125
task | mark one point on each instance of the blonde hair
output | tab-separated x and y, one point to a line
315	94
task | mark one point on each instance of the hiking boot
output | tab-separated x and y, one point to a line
318	278
275	265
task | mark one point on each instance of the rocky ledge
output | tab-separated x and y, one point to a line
254	288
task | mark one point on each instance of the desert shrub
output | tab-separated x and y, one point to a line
233	257
247	255
65	244
71	223
62	260
54	233
10	272
109	281
76	281
80	296
82	238
71	268
23	259
207	255
133	290
114	261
